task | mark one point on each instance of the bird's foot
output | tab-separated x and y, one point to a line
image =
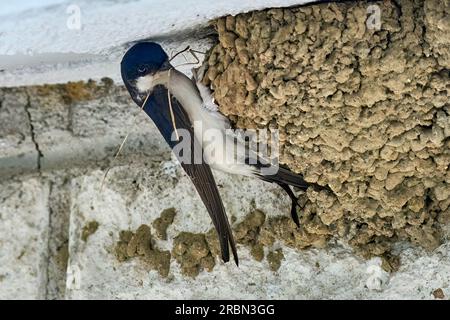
294	213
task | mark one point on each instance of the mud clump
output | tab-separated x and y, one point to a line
62	256
283	229
247	233
256	232
196	251
390	263
140	244
193	254
274	258
163	222
438	294
362	110
89	229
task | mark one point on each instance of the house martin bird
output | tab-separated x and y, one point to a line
151	81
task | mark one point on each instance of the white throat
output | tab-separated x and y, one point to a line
146	83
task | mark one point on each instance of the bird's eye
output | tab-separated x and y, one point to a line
142	69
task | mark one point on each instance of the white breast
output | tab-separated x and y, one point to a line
184	90
212	123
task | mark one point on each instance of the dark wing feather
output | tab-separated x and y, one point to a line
200	174
203	180
287	177
282	176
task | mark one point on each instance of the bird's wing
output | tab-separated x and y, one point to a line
204	91
200	173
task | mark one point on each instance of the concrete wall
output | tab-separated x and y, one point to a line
55	144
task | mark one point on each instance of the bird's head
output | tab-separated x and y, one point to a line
144	66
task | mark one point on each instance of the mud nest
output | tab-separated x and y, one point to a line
363	110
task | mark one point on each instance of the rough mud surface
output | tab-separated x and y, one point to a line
438	294
140	244
88	230
195	252
361	110
162	223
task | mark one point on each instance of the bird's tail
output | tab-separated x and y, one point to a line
286	177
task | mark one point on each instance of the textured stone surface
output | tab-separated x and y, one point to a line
58	245
24	229
56	133
18	150
332	273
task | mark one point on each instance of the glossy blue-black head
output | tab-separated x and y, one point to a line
141	60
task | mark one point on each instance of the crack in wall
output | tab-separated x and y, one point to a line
58	236
32	133
50	234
